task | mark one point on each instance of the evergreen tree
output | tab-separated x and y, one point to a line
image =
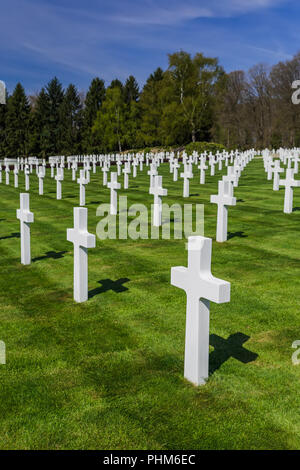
17	123
40	143
151	107
116	84
55	95
93	102
131	90
71	121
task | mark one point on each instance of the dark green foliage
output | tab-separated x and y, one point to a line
40	135
194	100
93	102
131	90
201	147
55	95
17	124
71	118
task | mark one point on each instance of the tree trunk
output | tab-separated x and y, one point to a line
193	133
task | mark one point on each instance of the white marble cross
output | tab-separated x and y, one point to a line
87	168
113	185
82	240
26	217
135	164
152	173
126	172
289	182
201	287
212	166
269	169
296	162
41	175
7	170
27	173
119	167
82	181
52	165
231	176
16	175
59	178
276	170
202	167
141	163
74	169
186	175
104	169
157	191
223	199
175	166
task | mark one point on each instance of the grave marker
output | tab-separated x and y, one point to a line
82	240
26	217
201	288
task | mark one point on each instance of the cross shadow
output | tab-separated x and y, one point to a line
94	202
13	235
240	200
296	209
108	284
236	234
50	254
224	349
191	195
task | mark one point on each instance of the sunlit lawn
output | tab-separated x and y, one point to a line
108	373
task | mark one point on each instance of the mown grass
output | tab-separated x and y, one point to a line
108	374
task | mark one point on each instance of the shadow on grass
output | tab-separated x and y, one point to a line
108	284
236	234
50	254
13	235
224	349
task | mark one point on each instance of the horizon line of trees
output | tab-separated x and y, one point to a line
193	100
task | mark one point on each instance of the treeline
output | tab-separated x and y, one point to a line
193	100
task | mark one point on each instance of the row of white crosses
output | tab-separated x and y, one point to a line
273	168
200	286
79	236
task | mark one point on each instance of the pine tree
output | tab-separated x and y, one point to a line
17	123
116	83
71	121
93	102
151	108
40	141
131	90
55	95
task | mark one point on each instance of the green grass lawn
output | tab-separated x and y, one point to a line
108	373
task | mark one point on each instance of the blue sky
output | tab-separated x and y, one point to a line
77	40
